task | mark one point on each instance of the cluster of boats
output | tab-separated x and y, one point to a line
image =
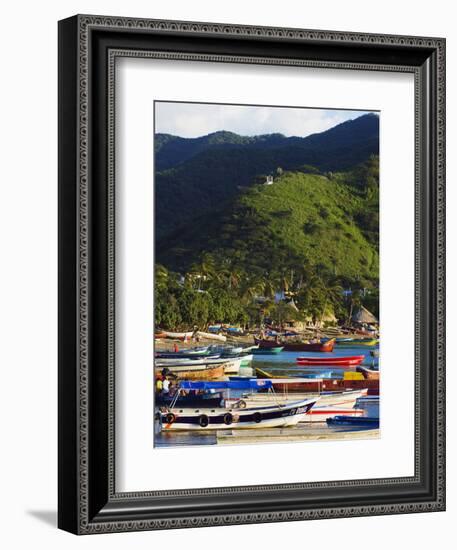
318	345
210	394
204	362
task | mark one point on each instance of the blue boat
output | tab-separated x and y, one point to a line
366	422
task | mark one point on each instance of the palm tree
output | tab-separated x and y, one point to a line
204	270
332	291
251	287
232	275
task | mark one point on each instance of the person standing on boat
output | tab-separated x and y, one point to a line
159	385
165	386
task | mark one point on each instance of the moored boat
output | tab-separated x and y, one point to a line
353	422
337	362
326	347
180	356
358	342
231	364
304	385
198	372
236	416
184	336
341	362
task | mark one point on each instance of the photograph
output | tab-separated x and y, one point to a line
266	283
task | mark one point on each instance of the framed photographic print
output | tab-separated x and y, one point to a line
251	274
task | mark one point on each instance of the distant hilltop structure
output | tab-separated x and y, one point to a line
269	180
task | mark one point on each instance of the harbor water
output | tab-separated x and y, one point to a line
281	365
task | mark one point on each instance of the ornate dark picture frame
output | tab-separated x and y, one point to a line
88	47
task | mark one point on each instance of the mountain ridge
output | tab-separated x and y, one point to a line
214	175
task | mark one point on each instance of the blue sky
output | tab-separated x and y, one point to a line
199	119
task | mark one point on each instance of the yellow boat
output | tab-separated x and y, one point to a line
358	343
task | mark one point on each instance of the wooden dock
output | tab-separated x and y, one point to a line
285	435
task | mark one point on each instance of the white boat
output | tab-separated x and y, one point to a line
231	366
336	404
330	404
188	335
237	416
165	361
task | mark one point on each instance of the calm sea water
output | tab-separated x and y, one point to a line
281	364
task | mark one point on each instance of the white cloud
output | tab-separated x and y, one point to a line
199	119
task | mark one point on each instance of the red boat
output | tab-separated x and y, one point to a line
349	361
302	346
325	384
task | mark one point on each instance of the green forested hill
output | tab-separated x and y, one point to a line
324	222
224	238
194	176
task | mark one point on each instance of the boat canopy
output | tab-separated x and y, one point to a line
249	384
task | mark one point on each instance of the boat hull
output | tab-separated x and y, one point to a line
358	343
352	360
197	373
324	347
176	419
326	384
354	422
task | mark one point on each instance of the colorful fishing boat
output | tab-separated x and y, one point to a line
340	362
312	385
186	354
231	364
358	342
185	336
342	403
200	372
330	403
310	346
236	416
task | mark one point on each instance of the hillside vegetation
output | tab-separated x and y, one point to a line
194	176
224	238
300	219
